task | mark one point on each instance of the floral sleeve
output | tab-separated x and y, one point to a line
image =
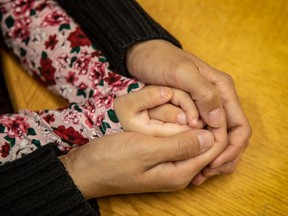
54	49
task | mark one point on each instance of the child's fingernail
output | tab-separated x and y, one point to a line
182	118
195	121
164	92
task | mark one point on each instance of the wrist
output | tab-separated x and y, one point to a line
75	169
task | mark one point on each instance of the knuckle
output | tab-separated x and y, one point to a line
186	146
227	79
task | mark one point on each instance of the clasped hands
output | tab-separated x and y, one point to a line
165	146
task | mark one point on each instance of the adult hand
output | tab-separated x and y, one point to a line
127	162
142	112
161	63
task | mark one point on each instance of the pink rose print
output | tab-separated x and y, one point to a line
17	126
78	38
4	151
55	18
97	73
70	135
99	119
21	28
22	7
63	62
82	64
105	101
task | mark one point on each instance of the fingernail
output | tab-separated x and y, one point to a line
181	119
164	92
205	139
195	121
215	117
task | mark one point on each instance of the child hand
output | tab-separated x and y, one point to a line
149	112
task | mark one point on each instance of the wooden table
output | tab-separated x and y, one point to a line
249	40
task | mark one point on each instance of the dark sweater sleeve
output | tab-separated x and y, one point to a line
38	184
115	25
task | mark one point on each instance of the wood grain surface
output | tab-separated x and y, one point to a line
249	40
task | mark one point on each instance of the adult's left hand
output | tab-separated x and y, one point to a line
161	63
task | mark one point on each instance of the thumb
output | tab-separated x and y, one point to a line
148	97
183	146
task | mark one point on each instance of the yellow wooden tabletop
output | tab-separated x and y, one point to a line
249	40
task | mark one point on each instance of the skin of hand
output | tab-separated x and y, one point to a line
127	162
213	91
141	111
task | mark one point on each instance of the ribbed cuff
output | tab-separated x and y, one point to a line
38	184
115	25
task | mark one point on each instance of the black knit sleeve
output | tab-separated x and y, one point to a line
38	184
115	25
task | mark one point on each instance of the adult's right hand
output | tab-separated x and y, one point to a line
127	162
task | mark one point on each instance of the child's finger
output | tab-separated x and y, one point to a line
168	113
148	97
183	100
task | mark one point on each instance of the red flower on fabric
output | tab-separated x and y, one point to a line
82	86
20	7
5	150
71	78
112	78
78	38
70	135
47	71
55	18
51	42
49	118
17	126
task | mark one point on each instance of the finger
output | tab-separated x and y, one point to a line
203	92
168	113
148	97
183	99
183	146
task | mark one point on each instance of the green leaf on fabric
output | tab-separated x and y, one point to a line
32	12
2	128
77	108
31	132
91	93
9	21
44	55
26	41
37	143
12	141
104	127
75	49
72	61
132	86
112	116
23	52
81	93
102	59
64	26
101	83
